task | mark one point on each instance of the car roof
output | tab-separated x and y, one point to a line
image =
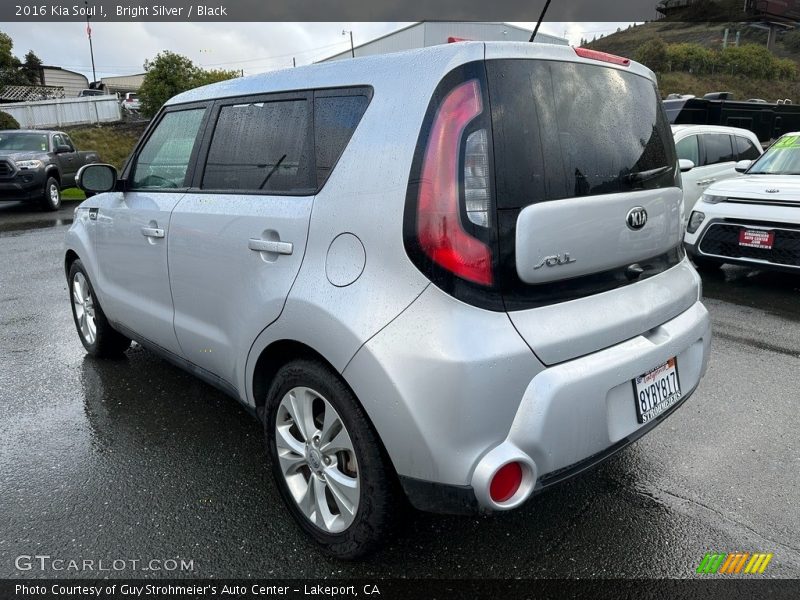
422	64
42	131
683	130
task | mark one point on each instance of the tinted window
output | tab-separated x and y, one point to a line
261	146
718	148
335	120
563	130
746	149
164	158
67	142
687	149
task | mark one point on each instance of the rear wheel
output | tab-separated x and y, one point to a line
94	330
51	200
328	462
707	264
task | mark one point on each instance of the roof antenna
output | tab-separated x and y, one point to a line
539	22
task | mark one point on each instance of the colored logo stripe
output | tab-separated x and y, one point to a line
733	563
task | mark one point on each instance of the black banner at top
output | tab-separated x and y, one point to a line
392	10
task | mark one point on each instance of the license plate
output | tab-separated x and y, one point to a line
657	390
756	238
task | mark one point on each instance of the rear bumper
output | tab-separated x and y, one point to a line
454	394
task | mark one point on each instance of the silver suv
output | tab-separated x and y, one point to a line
453	275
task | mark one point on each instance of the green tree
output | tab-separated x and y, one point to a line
9	64
7	121
169	74
31	68
652	54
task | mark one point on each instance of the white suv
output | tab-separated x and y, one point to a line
752	220
454	273
714	152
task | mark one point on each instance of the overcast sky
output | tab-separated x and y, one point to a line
121	48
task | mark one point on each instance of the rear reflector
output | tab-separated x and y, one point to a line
603	56
439	230
506	482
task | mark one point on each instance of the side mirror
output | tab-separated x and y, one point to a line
743	165
96	178
685	165
62	148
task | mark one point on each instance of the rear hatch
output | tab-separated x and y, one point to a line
588	204
545	184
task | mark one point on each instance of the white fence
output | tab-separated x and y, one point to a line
60	113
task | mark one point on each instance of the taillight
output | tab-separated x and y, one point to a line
440	232
603	56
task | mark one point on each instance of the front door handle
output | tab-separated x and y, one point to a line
270	246
152	232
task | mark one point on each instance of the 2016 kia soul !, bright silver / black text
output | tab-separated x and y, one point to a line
452	274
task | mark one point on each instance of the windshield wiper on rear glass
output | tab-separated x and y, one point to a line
645	175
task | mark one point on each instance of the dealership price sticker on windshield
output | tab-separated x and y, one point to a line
657	390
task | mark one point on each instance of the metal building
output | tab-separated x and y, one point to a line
120	84
71	81
431	33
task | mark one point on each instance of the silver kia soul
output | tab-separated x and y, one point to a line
452	275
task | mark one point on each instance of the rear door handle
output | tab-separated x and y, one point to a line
270	246
152	232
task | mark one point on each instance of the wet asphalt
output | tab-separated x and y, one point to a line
134	459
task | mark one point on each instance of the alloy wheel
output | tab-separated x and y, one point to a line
84	308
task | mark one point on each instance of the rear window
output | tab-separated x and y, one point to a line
718	148
564	130
335	120
261	146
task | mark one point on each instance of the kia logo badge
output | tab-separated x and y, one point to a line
637	218
772	190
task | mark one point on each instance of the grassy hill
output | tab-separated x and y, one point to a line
708	35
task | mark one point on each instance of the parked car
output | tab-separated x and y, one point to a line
130	102
89	93
714	151
752	220
35	165
453	273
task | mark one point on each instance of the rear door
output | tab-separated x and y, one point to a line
719	157
238	238
588	204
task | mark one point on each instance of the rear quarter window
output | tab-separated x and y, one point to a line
564	130
746	149
335	121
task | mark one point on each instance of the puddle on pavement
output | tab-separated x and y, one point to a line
17	227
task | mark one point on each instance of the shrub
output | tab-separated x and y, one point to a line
652	54
7	121
692	58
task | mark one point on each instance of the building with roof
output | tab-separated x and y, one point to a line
431	33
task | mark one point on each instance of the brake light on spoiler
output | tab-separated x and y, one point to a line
602	56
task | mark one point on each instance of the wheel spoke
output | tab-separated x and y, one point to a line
344	490
308	502
340	441
92	327
286	441
323	510
299	407
77	291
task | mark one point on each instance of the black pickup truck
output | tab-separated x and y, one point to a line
36	165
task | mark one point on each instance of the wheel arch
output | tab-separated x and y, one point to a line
52	171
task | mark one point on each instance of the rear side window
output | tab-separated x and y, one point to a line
688	149
563	130
335	120
262	146
746	149
718	148
164	159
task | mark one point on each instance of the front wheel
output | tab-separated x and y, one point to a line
328	462
51	200
94	330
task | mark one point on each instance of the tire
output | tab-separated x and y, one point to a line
51	196
706	264
359	477
95	332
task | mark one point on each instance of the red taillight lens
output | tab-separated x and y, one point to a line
506	482
604	56
439	229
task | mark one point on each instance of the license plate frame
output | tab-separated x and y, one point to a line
652	397
763	239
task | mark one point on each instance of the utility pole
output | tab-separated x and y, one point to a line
294	62
352	47
89	33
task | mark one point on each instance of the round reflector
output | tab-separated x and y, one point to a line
505	482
